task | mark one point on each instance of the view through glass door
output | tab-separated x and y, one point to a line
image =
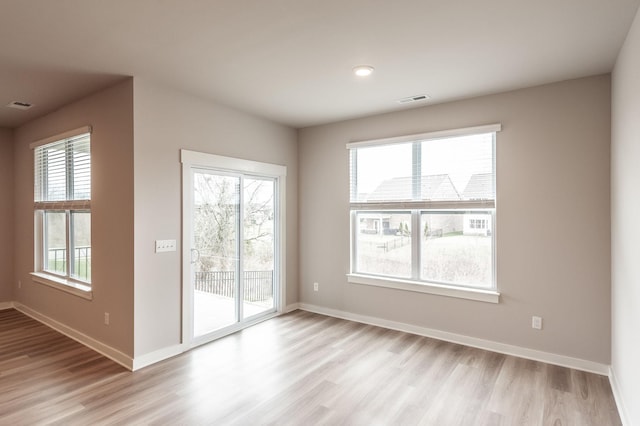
233	249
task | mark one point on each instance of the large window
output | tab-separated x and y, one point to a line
62	195
423	209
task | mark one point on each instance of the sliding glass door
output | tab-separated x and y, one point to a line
233	256
233	274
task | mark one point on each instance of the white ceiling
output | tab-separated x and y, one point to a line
291	60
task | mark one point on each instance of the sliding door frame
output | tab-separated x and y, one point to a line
192	160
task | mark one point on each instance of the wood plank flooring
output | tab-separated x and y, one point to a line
297	369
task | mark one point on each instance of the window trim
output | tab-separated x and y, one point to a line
61	136
66	283
440	134
469	293
416	208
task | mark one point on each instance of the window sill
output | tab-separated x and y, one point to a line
62	284
489	296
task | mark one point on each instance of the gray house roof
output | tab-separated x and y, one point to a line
432	187
481	186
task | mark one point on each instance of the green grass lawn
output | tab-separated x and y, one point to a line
452	258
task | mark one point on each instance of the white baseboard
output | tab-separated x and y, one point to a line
156	356
290	308
617	396
111	353
162	354
126	361
547	357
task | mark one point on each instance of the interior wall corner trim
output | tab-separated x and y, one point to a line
617	396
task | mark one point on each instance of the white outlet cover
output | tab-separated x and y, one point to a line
536	322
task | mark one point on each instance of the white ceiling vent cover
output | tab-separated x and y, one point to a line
19	105
416	98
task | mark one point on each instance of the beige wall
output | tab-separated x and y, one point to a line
110	112
625	228
553	222
6	215
165	122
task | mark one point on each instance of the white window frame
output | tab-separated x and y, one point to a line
415	209
64	282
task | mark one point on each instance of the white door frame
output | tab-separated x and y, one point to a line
198	160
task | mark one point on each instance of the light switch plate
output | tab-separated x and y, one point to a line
165	245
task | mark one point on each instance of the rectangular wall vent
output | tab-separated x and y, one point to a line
416	98
19	105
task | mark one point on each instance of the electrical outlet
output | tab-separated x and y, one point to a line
19	284
106	318
536	322
316	286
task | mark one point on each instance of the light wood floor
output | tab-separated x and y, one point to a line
299	369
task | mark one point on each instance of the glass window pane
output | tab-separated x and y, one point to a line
458	168
457	248
382	173
81	231
383	243
55	242
259	248
216	213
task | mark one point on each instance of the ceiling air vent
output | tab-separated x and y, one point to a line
19	105
416	98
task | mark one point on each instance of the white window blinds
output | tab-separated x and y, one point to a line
449	169
63	173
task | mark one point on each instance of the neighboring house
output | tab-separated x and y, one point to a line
477	224
481	186
432	188
384	223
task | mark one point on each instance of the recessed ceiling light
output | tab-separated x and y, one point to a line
363	70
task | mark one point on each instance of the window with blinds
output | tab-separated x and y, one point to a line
423	207
63	171
62	206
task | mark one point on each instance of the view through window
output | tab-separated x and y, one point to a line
423	210
62	208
